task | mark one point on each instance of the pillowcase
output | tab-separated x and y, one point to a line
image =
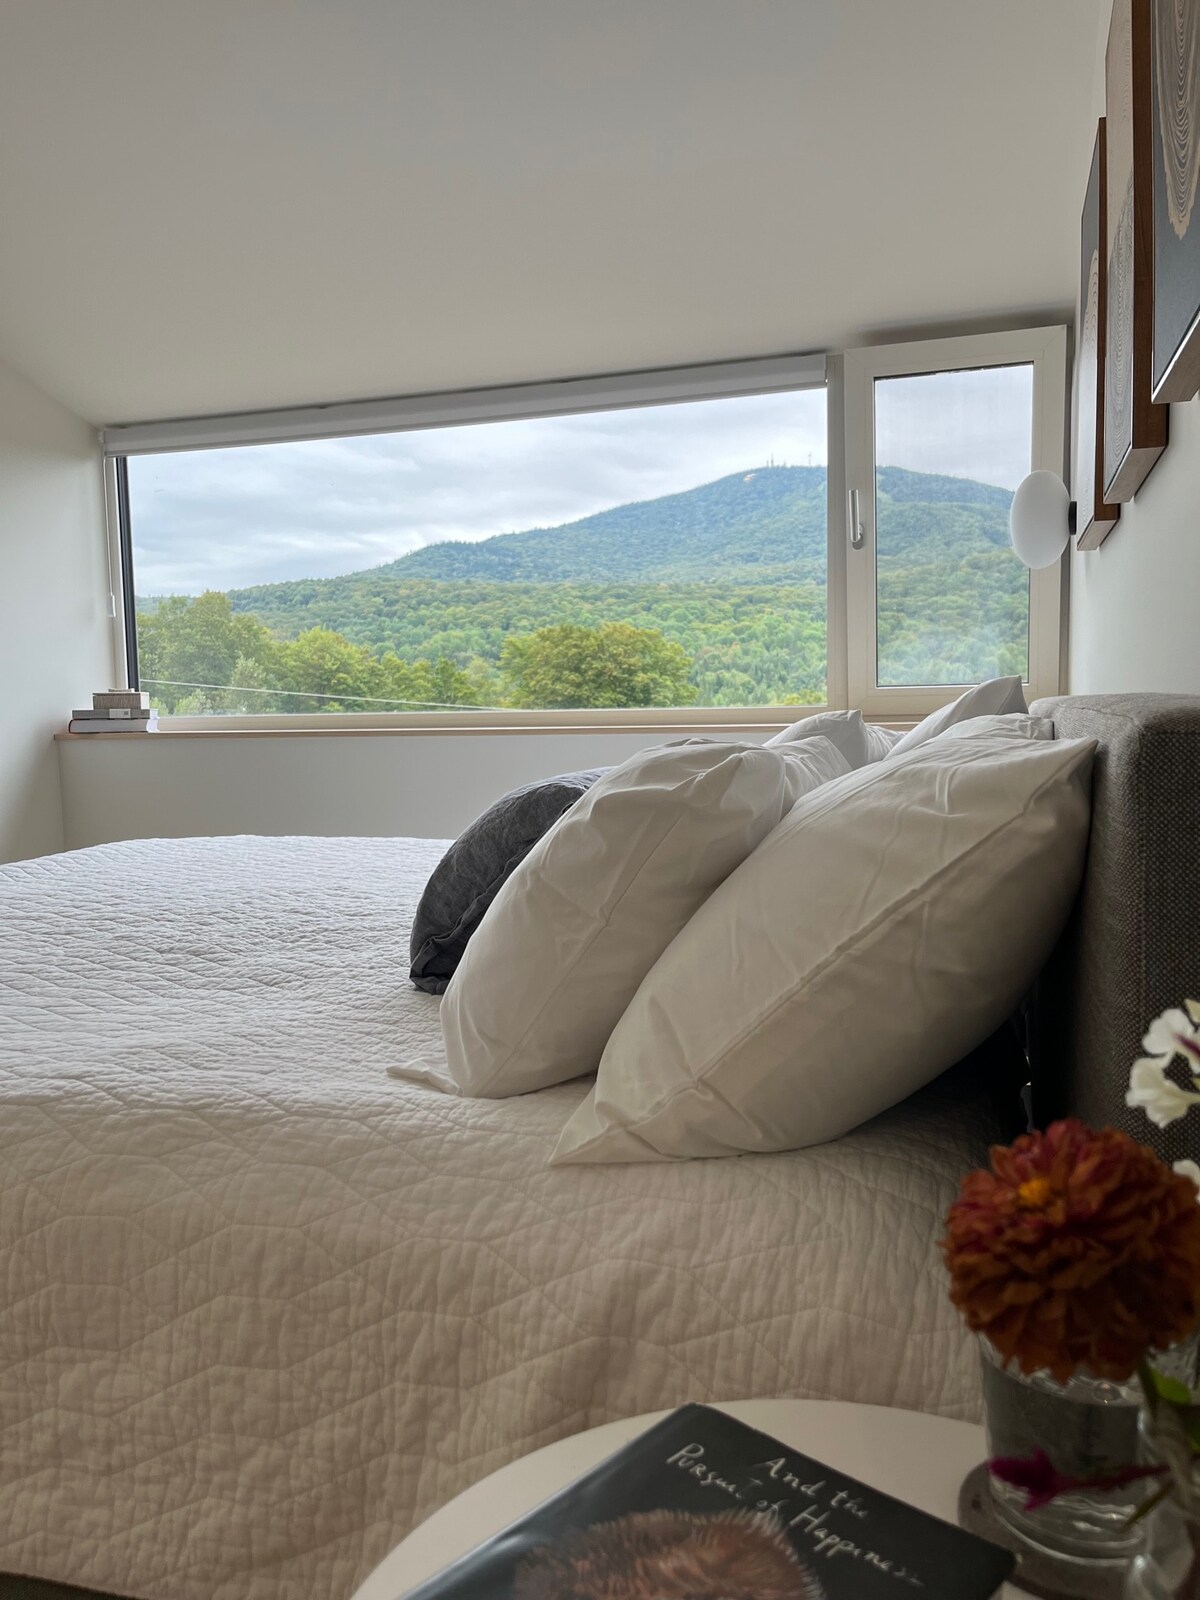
594	904
846	730
1011	725
860	742
880	741
469	876
890	922
997	697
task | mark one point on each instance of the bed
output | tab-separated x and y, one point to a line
263	1307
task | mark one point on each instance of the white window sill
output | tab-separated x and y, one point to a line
709	723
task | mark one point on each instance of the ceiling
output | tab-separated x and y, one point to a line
215	205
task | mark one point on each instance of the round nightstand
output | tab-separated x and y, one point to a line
919	1459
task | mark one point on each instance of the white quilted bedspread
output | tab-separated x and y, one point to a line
262	1307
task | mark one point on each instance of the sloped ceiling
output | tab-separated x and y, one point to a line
213	205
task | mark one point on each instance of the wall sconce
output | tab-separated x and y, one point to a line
1041	520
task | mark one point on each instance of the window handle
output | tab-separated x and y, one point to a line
856	527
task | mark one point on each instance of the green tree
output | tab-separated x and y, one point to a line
430	685
570	666
321	662
187	647
198	657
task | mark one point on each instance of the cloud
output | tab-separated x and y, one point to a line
228	518
224	519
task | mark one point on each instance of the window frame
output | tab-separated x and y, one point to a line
1045	350
843	375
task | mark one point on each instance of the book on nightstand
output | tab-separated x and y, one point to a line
122	722
702	1507
115	711
90	714
120	700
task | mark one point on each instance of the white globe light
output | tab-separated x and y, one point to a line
1039	522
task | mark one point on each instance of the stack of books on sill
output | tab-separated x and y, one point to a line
115	711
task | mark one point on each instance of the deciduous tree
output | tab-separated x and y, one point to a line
570	666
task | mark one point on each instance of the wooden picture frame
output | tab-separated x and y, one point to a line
1095	517
1175	88
1135	429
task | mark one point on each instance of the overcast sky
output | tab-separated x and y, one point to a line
967	424
224	519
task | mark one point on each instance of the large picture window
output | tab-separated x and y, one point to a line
651	556
711	544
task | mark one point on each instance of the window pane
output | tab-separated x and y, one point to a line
665	555
952	600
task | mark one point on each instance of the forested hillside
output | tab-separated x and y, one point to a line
750	527
715	596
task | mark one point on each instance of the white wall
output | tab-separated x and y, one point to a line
1134	618
1135	602
55	642
429	785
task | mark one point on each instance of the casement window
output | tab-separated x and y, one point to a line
937	436
722	544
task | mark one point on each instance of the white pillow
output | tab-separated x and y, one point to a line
1010	725
845	729
995	698
578	925
890	922
880	741
860	742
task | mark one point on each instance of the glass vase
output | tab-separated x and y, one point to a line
1167	1567
1086	1426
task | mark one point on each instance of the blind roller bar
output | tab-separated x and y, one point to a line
723	378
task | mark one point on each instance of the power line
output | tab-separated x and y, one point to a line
312	694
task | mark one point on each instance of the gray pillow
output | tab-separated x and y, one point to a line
468	877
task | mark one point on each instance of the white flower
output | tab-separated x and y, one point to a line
1150	1088
1189	1169
1162	1036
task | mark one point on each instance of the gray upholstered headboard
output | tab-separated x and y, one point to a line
1132	947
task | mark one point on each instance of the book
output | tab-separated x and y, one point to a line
109	714
120	699
123	725
703	1507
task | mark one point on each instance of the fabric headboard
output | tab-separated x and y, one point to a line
1132	947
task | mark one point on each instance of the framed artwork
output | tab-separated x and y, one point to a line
1095	517
1175	84
1135	429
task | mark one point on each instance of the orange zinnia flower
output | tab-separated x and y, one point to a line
1078	1249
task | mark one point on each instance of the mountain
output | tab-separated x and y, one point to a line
938	488
769	523
764	526
732	570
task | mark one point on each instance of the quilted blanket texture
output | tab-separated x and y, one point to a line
262	1307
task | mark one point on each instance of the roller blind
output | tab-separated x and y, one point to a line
724	378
